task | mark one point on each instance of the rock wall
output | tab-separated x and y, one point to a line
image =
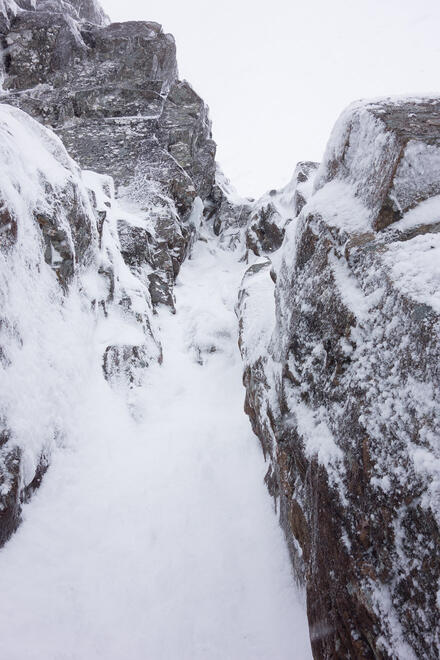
339	312
111	92
91	251
342	384
86	254
70	306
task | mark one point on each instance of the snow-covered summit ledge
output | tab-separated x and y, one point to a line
386	153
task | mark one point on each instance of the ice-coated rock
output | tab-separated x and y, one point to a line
342	384
112	93
303	178
339	312
388	152
82	10
276	209
258	224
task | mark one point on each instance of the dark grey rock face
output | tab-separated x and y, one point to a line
81	10
112	94
228	213
13	493
265	232
344	393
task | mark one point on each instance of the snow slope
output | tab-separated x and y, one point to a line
156	539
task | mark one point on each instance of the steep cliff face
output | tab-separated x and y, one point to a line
111	92
343	383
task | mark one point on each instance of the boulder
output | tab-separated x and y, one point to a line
388	153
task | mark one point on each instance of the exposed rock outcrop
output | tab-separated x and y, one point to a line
258	224
111	238
343	384
81	10
111	92
274	211
227	212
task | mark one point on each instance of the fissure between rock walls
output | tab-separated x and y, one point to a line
108	174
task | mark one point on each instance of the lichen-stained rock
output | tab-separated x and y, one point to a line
345	396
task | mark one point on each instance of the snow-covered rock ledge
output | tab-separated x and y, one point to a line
343	382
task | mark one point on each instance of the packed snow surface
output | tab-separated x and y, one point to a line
156	538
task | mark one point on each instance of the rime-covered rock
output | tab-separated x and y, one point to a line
258	224
63	281
304	178
227	211
111	92
81	10
270	216
388	154
86	253
344	392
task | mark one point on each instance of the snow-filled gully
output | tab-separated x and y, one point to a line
156	539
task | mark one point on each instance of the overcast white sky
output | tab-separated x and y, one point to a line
276	74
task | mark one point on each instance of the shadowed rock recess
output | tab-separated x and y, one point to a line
107	174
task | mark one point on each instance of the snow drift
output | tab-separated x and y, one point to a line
67	300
